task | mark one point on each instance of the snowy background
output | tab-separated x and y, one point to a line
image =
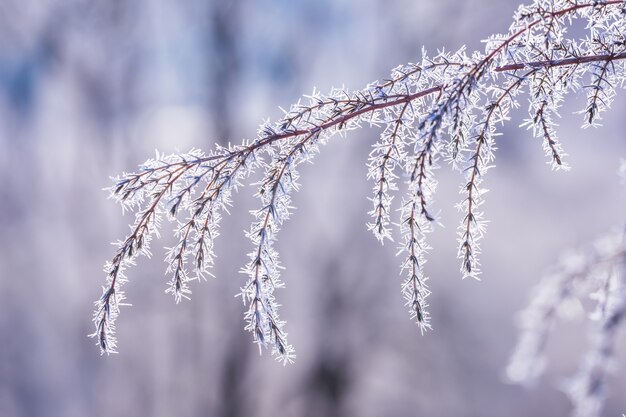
90	88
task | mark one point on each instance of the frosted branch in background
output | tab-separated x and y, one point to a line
598	274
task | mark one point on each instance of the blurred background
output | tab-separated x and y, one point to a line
90	88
